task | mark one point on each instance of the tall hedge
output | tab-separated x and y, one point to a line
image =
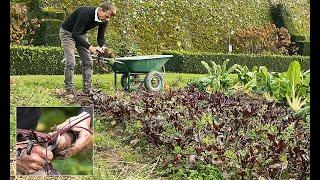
296	16
189	62
200	25
41	60
283	15
48	33
153	25
204	26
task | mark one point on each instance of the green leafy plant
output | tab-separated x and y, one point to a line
291	86
247	79
218	79
48	33
295	98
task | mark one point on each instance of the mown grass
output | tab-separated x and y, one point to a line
113	159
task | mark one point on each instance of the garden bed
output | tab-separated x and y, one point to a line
210	134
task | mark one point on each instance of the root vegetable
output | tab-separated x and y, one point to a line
65	141
107	54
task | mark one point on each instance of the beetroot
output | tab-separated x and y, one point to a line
65	141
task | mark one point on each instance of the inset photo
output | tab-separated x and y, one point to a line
54	141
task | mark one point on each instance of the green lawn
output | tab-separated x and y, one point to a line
116	160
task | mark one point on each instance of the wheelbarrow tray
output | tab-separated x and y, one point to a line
140	64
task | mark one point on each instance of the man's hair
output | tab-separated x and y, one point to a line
107	5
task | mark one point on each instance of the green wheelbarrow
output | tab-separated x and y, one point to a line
132	68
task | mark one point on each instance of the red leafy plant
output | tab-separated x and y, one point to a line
242	135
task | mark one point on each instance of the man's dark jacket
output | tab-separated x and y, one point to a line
82	20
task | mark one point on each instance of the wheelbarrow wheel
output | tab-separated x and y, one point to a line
124	81
153	81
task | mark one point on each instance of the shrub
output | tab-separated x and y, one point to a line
267	39
189	62
35	60
296	38
34	7
22	28
40	60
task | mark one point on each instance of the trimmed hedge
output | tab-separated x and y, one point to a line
292	16
48	33
304	47
296	38
37	9
283	18
40	60
47	60
51	13
188	62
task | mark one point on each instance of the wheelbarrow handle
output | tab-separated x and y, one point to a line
104	59
95	57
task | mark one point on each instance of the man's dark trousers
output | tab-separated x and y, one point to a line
69	46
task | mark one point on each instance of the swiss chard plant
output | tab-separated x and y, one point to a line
219	78
290	87
298	86
246	78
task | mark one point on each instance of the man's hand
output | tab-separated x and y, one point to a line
95	50
108	53
84	137
29	164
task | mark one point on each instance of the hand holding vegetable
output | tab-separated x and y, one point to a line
28	164
83	133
